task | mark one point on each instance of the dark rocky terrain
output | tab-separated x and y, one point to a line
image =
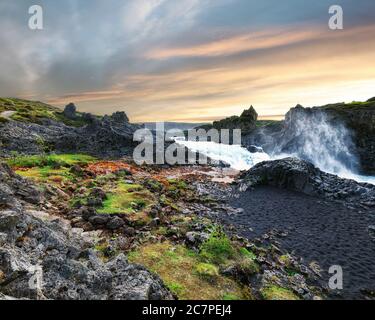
32	239
91	224
299	175
108	136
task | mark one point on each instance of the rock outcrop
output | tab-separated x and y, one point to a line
42	257
246	122
302	176
110	136
70	111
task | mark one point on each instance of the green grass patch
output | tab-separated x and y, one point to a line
207	271
35	111
52	160
218	249
278	293
126	198
177	266
47	174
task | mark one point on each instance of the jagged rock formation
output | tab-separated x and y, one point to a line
110	136
42	257
246	122
302	176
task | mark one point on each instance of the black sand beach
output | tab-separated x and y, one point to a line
317	230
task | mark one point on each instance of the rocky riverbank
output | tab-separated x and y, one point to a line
92	214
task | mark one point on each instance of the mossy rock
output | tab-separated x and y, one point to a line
217	249
278	293
207	271
178	266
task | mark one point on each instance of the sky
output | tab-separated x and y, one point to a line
187	60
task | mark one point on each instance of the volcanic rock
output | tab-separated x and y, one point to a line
302	176
47	259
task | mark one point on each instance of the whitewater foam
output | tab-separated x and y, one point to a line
240	158
236	156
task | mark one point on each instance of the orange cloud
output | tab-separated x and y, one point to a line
236	44
307	67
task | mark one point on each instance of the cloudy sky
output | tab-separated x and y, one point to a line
187	60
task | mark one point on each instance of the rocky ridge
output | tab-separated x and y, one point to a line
108	136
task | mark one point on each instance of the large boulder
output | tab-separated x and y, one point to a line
14	189
302	176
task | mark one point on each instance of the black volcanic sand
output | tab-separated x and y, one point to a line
318	230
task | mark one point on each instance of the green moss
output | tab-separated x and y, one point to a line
285	260
46	174
176	288
247	253
126	198
278	293
177	266
207	271
247	266
52	160
176	188
230	297
35	111
217	249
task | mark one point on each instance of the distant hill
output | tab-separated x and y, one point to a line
173	125
34	112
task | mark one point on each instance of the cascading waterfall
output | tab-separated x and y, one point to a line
309	137
313	137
